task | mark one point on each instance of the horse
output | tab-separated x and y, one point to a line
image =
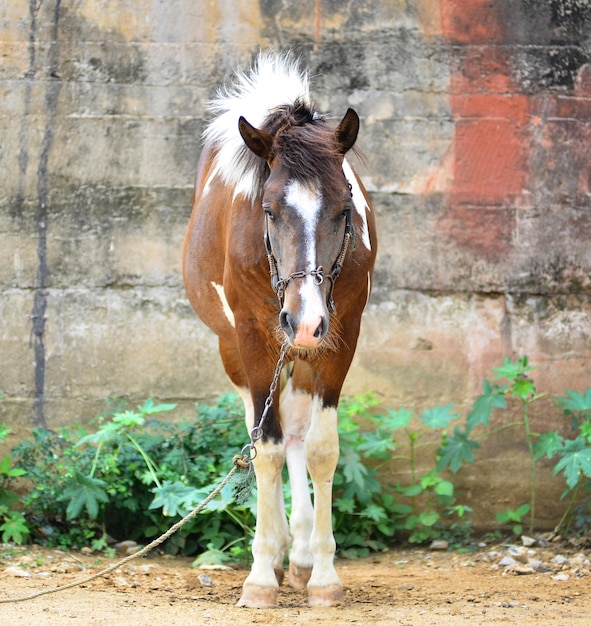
278	216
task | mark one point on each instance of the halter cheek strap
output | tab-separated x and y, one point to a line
338	264
272	263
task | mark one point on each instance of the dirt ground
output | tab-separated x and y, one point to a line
401	587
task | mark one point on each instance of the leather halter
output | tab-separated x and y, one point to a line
279	283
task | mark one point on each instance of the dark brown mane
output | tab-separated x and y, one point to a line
307	147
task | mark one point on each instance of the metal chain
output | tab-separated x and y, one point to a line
281	285
249	451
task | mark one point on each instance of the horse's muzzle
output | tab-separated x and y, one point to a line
307	332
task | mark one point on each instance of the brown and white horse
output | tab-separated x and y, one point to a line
278	214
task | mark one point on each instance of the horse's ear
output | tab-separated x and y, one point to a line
347	131
260	142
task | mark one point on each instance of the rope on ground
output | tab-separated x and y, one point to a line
240	462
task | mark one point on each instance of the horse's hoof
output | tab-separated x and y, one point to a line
258	597
329	595
299	576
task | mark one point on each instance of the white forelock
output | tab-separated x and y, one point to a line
274	80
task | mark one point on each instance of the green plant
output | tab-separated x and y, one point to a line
574	460
363	510
85	491
573	454
141	471
430	496
423	509
521	388
514	517
48	460
121	429
135	476
13	525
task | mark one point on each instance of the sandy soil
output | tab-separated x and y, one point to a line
400	587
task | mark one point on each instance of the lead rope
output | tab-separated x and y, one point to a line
240	461
237	465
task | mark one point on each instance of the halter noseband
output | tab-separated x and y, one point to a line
279	283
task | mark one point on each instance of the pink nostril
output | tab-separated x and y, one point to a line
310	332
306	332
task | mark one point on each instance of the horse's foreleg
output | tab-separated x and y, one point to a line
322	453
271	539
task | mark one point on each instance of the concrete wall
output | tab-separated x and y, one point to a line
476	121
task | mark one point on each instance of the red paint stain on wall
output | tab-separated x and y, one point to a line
489	162
469	21
485	231
491	130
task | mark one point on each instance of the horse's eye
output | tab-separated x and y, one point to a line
268	211
346	212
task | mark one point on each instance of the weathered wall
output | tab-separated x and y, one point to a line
476	121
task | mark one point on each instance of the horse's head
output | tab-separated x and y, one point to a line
307	207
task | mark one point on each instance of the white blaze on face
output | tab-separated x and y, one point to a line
307	201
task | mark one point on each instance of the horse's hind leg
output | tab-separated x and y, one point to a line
295	419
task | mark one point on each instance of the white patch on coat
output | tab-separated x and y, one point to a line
224	302
359	203
207	185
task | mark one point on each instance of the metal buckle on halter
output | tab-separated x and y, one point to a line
318	275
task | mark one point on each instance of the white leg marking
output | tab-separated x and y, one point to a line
225	306
322	450
271	539
358	202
